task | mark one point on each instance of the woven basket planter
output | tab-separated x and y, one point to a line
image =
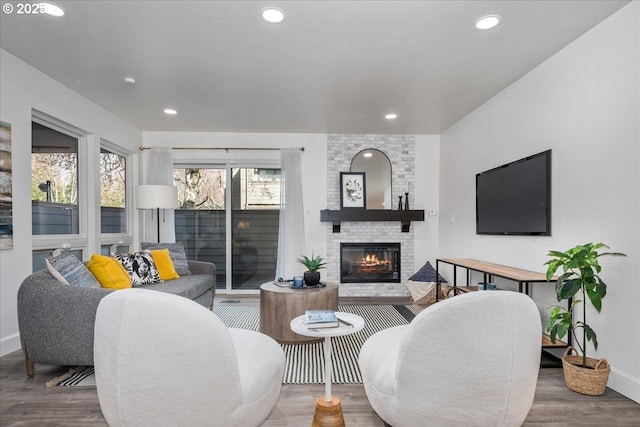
591	380
445	292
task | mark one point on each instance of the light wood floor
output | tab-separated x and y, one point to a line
27	402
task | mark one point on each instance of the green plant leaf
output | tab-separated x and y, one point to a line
558	254
553	267
555	310
559	323
591	335
612	254
567	289
557	331
595	299
601	287
314	263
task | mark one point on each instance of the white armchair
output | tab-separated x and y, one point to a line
164	360
470	360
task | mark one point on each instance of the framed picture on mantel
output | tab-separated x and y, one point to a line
352	190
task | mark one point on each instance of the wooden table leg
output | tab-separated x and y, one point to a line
328	414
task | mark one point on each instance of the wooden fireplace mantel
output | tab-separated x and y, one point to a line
338	216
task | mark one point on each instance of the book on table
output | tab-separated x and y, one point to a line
316	319
283	283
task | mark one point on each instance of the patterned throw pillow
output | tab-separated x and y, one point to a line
70	270
140	267
177	253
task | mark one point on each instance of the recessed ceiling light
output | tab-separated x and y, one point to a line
170	111
488	22
51	9
273	16
130	81
391	116
368	154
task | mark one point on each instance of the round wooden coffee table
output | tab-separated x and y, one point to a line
279	305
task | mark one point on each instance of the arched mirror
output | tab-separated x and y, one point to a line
377	168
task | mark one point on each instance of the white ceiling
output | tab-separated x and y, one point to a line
331	67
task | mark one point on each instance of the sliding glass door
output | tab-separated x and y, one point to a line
230	216
255	217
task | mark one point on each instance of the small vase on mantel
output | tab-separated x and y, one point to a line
399	203
406	201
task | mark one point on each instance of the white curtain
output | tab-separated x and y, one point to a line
159	172
291	238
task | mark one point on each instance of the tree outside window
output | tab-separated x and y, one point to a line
54	181
113	192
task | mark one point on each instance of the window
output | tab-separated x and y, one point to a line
255	222
107	250
200	188
200	223
54	181
256	188
234	226
38	257
67	166
113	183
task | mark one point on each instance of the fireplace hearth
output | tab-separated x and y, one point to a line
370	262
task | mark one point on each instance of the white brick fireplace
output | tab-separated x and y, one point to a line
400	149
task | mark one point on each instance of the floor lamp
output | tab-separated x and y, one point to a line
156	197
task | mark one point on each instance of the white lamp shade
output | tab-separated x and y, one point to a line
156	196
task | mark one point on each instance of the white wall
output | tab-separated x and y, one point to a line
427	189
24	88
583	103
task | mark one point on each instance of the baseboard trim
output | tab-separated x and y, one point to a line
625	384
9	344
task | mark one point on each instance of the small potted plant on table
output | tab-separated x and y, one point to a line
313	264
580	269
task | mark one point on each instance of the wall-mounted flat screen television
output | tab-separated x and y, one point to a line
515	198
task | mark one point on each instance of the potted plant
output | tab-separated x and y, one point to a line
579	282
313	264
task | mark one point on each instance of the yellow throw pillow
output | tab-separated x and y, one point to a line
164	264
109	272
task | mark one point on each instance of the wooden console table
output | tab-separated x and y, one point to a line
524	278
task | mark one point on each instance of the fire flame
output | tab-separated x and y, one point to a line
371	260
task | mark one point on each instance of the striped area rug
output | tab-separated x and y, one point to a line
305	362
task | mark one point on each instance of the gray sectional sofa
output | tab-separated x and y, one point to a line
56	320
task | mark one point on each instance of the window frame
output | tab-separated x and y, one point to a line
126	238
80	240
89	238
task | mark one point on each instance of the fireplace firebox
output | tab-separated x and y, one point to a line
370	262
